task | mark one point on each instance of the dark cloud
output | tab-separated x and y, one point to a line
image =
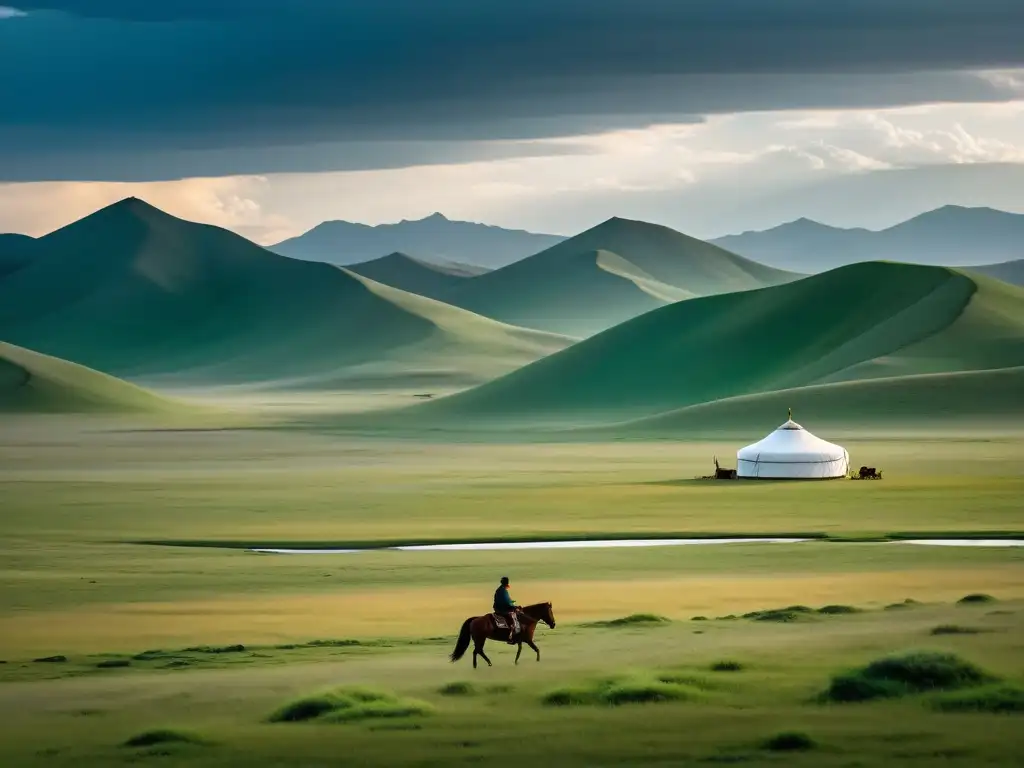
96	82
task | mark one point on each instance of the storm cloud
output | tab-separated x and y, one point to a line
123	90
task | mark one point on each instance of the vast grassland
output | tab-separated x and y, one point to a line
91	509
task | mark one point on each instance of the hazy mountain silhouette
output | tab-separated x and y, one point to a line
1010	271
949	236
435	238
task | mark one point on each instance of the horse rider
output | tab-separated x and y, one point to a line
505	606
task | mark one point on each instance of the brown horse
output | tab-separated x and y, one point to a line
483	628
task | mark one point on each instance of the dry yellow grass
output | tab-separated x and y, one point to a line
411	611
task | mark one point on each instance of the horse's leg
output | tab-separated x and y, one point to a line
519	652
529	642
480	650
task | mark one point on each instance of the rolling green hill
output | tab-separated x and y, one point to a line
35	383
15	252
873	406
609	274
141	294
425	278
862	321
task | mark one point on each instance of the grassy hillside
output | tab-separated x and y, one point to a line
990	399
860	321
417	276
137	293
607	275
15	252
35	383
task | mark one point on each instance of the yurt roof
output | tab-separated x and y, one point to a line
791	443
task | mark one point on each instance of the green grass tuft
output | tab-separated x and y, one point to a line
975	599
993	699
349	704
783	615
837	610
306	708
907	673
457	689
955	629
113	664
727	665
158	736
908	603
618	692
633	620
216	649
378	710
790	741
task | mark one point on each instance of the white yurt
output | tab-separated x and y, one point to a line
792	453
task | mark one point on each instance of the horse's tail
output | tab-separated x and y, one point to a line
463	642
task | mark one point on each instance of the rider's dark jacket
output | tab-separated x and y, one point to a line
502	602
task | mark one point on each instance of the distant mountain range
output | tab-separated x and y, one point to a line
434	238
953	236
134	292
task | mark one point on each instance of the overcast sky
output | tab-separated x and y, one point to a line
711	116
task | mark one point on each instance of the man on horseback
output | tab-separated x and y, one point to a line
505	606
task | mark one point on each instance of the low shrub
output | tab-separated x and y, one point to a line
571	695
855	686
975	599
955	629
836	610
785	615
376	710
633	690
113	664
726	665
643	692
636	619
158	736
349	704
344	643
51	660
216	649
908	603
994	699
906	673
152	655
457	689
306	708
790	741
